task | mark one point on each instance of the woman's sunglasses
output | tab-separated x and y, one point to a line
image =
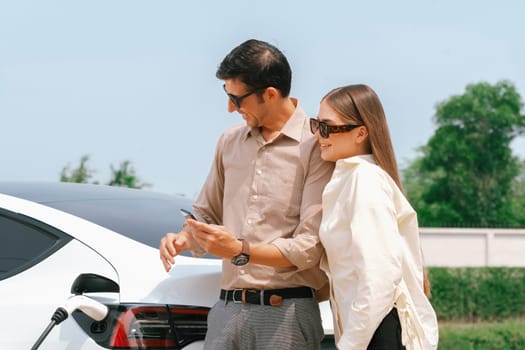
325	130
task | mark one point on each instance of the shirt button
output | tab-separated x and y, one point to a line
249	221
242	272
254	197
259	171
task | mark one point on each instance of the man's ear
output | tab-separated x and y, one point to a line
272	93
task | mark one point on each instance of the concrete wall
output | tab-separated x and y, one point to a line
473	247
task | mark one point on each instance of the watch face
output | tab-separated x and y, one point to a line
241	259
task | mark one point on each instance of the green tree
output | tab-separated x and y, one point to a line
466	172
518	190
125	176
82	174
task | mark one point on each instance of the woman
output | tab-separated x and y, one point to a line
369	230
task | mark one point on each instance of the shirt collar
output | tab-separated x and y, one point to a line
359	159
293	127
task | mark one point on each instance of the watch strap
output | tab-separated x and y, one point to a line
245	247
244	256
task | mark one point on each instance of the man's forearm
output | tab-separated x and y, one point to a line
269	255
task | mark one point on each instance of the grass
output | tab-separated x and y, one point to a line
503	335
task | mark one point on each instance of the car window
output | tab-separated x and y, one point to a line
25	242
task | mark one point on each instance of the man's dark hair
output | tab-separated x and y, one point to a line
258	65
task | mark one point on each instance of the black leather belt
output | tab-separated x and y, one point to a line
273	297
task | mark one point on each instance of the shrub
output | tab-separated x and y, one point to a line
474	294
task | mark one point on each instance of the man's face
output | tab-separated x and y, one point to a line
245	101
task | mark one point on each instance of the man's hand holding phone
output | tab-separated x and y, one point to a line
215	239
173	244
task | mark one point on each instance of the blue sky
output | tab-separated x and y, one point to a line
135	80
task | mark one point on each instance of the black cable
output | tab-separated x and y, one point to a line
59	316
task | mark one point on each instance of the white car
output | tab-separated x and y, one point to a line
78	247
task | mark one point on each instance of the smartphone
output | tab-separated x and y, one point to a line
186	213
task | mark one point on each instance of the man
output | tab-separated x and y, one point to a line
260	210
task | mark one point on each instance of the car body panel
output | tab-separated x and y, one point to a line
31	297
93	249
119	250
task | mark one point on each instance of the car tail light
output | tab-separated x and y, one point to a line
145	326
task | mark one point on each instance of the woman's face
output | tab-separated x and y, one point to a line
339	145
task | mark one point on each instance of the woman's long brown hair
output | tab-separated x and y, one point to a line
361	105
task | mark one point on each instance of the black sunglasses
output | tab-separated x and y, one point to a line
237	100
325	130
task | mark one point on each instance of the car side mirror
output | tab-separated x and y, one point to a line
93	283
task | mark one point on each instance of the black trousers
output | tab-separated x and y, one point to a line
388	335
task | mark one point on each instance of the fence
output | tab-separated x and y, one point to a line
473	246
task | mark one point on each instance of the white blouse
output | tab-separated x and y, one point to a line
373	257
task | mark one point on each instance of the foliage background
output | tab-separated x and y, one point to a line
474	294
479	308
466	175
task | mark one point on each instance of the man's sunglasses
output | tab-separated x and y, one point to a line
237	100
325	130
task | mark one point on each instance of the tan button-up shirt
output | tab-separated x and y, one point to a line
269	192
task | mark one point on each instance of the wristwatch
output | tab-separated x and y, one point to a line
244	255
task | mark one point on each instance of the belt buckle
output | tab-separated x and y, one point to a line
242	301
